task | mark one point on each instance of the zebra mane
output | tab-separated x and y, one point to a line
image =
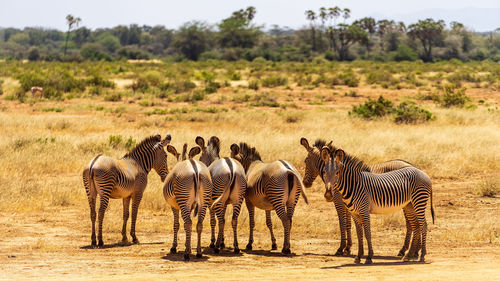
149	141
213	148
249	152
319	143
354	163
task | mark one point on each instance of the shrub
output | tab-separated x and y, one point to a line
274	81
405	53
348	78
373	108
98	80
178	86
410	113
454	97
488	188
141	84
1	88
117	142
378	77
253	84
113	97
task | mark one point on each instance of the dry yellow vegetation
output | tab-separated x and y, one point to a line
45	231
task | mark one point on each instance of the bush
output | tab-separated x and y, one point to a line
405	53
53	83
454	97
274	81
113	97
488	188
378	77
410	113
178	86
141	84
348	78
253	84
373	108
117	142
98	80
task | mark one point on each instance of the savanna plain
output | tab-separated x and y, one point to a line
449	128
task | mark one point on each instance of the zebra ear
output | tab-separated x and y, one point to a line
166	140
339	155
325	154
172	150
305	144
214	140
194	151
200	141
235	149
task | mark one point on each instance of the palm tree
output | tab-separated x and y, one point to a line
71	21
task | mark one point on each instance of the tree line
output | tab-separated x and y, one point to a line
327	34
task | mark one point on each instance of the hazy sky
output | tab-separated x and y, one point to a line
109	13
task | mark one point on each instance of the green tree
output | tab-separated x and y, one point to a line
109	41
71	21
33	53
192	39
429	32
238	30
369	25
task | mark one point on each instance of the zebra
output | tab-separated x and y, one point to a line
188	187
229	186
270	186
314	164
365	192
124	178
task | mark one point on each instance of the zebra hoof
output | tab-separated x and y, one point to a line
236	250
406	258
249	247
357	260
368	261
422	259
222	245
100	244
199	255
286	251
339	252
94	243
186	257
135	241
212	245
216	250
274	246
173	250
401	253
347	251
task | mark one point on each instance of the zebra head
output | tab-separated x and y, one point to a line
209	153
160	157
333	160
245	155
312	161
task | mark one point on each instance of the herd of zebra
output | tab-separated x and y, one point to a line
212	182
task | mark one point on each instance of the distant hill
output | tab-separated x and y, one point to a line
477	19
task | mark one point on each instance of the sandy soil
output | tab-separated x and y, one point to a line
54	244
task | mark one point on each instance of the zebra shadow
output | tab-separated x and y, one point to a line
373	264
227	252
118	245
180	257
268	253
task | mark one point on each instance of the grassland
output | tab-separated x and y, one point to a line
45	143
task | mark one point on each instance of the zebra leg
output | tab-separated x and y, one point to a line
347	218
102	209
221	216
126	208
173	250
92	219
408	213
234	224
135	207
281	212
251	215
422	225
188	224
269	224
199	230
365	219
341	213
213	222
359	232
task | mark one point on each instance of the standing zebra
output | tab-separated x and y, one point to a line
365	192
188	187
314	164
124	178
228	183
270	186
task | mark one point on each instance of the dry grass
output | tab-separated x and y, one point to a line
42	155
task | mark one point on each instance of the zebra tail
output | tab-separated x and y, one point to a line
197	193
302	187
91	176
226	192
432	209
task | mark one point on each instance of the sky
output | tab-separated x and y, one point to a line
479	15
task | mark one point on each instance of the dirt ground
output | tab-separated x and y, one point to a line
54	244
